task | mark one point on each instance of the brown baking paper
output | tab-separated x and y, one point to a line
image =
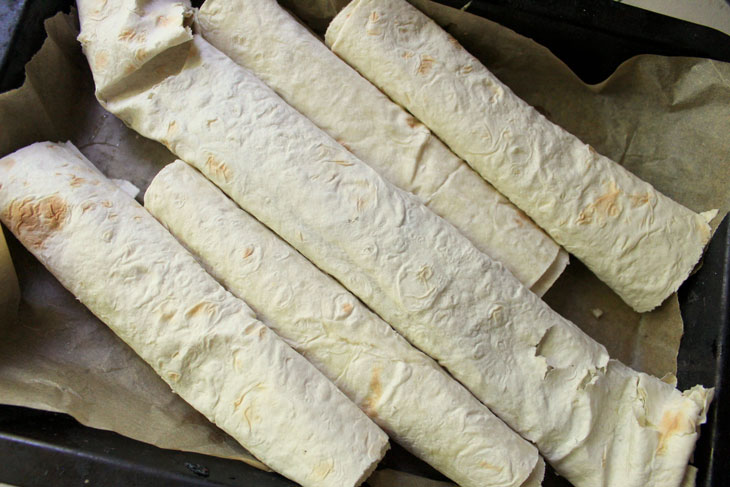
9	291
666	119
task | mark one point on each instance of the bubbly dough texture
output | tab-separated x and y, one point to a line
537	371
400	388
635	239
205	343
262	37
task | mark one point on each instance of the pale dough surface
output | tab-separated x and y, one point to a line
262	37
635	239
400	388
537	371
206	344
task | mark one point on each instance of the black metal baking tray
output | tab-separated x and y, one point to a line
593	37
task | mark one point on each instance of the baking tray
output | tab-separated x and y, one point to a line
592	37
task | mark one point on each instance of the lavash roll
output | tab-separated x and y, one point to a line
635	239
205	343
262	37
401	389
536	370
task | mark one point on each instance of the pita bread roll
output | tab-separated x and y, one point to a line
312	79
638	241
400	388
205	343
537	371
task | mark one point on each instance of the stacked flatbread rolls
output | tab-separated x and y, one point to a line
374	259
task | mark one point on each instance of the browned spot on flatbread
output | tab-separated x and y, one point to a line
247	253
640	199
218	168
172	129
343	163
374	16
106	204
164	21
127	35
87	206
374	394
101	59
77	181
407	55
672	423
426	64
489	466
200	308
323	469
412	122
34	221
467	69
130	68
344	144
453	41
140	54
602	208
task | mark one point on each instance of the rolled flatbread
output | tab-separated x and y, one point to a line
400	388
262	37
637	240
205	343
597	421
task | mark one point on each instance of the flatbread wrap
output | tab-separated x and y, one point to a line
400	388
206	344
264	38
597	421
638	241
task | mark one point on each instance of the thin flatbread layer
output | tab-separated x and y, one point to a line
205	343
536	370
262	37
400	388
635	239
134	32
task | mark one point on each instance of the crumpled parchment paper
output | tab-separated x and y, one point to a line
666	119
9	291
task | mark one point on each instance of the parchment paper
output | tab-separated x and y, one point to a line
666	119
9	291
